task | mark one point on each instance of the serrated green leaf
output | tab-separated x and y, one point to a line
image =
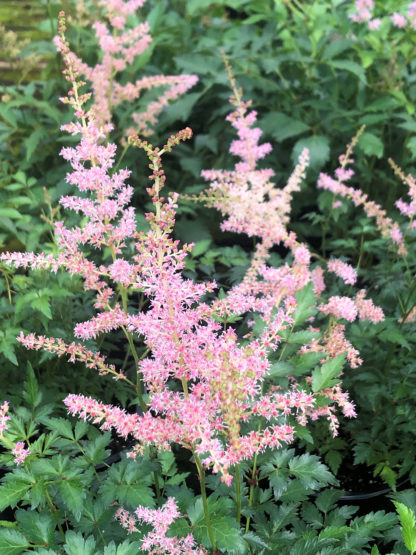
319	150
326	499
11	493
43	305
8	350
306	361
324	375
408	525
311	515
371	145
125	548
32	141
310	471
351	67
128	482
255	540
76	544
72	494
302	337
61	426
38	527
305	299
279	369
12	542
224	527
201	247
281	126
335	47
31	386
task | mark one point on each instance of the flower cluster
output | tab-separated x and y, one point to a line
221	381
17	449
364	14
120	45
385	225
156	541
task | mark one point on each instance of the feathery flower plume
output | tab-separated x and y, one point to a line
385	225
120	45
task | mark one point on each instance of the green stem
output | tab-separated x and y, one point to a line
201	473
253	482
361	250
238	492
121	157
156	481
53	509
129	337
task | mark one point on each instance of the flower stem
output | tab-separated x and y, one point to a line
238	491
201	473
251	494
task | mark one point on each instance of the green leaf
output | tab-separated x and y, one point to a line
32	389
281	127
371	145
8	350
32	142
280	369
11	493
374	550
42	304
125	548
351	67
77	545
201	247
408	525
411	145
38	527
310	471
12	542
327	499
319	151
302	337
305	361
129	482
394	336
311	515
335	47
61	426
255	541
305	299
224	527
11	213
72	494
323	376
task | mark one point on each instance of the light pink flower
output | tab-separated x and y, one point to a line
343	270
399	20
340	307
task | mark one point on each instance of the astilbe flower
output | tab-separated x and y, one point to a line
406	208
363	11
364	14
221	376
119	47
332	344
17	449
385	225
343	270
156	541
